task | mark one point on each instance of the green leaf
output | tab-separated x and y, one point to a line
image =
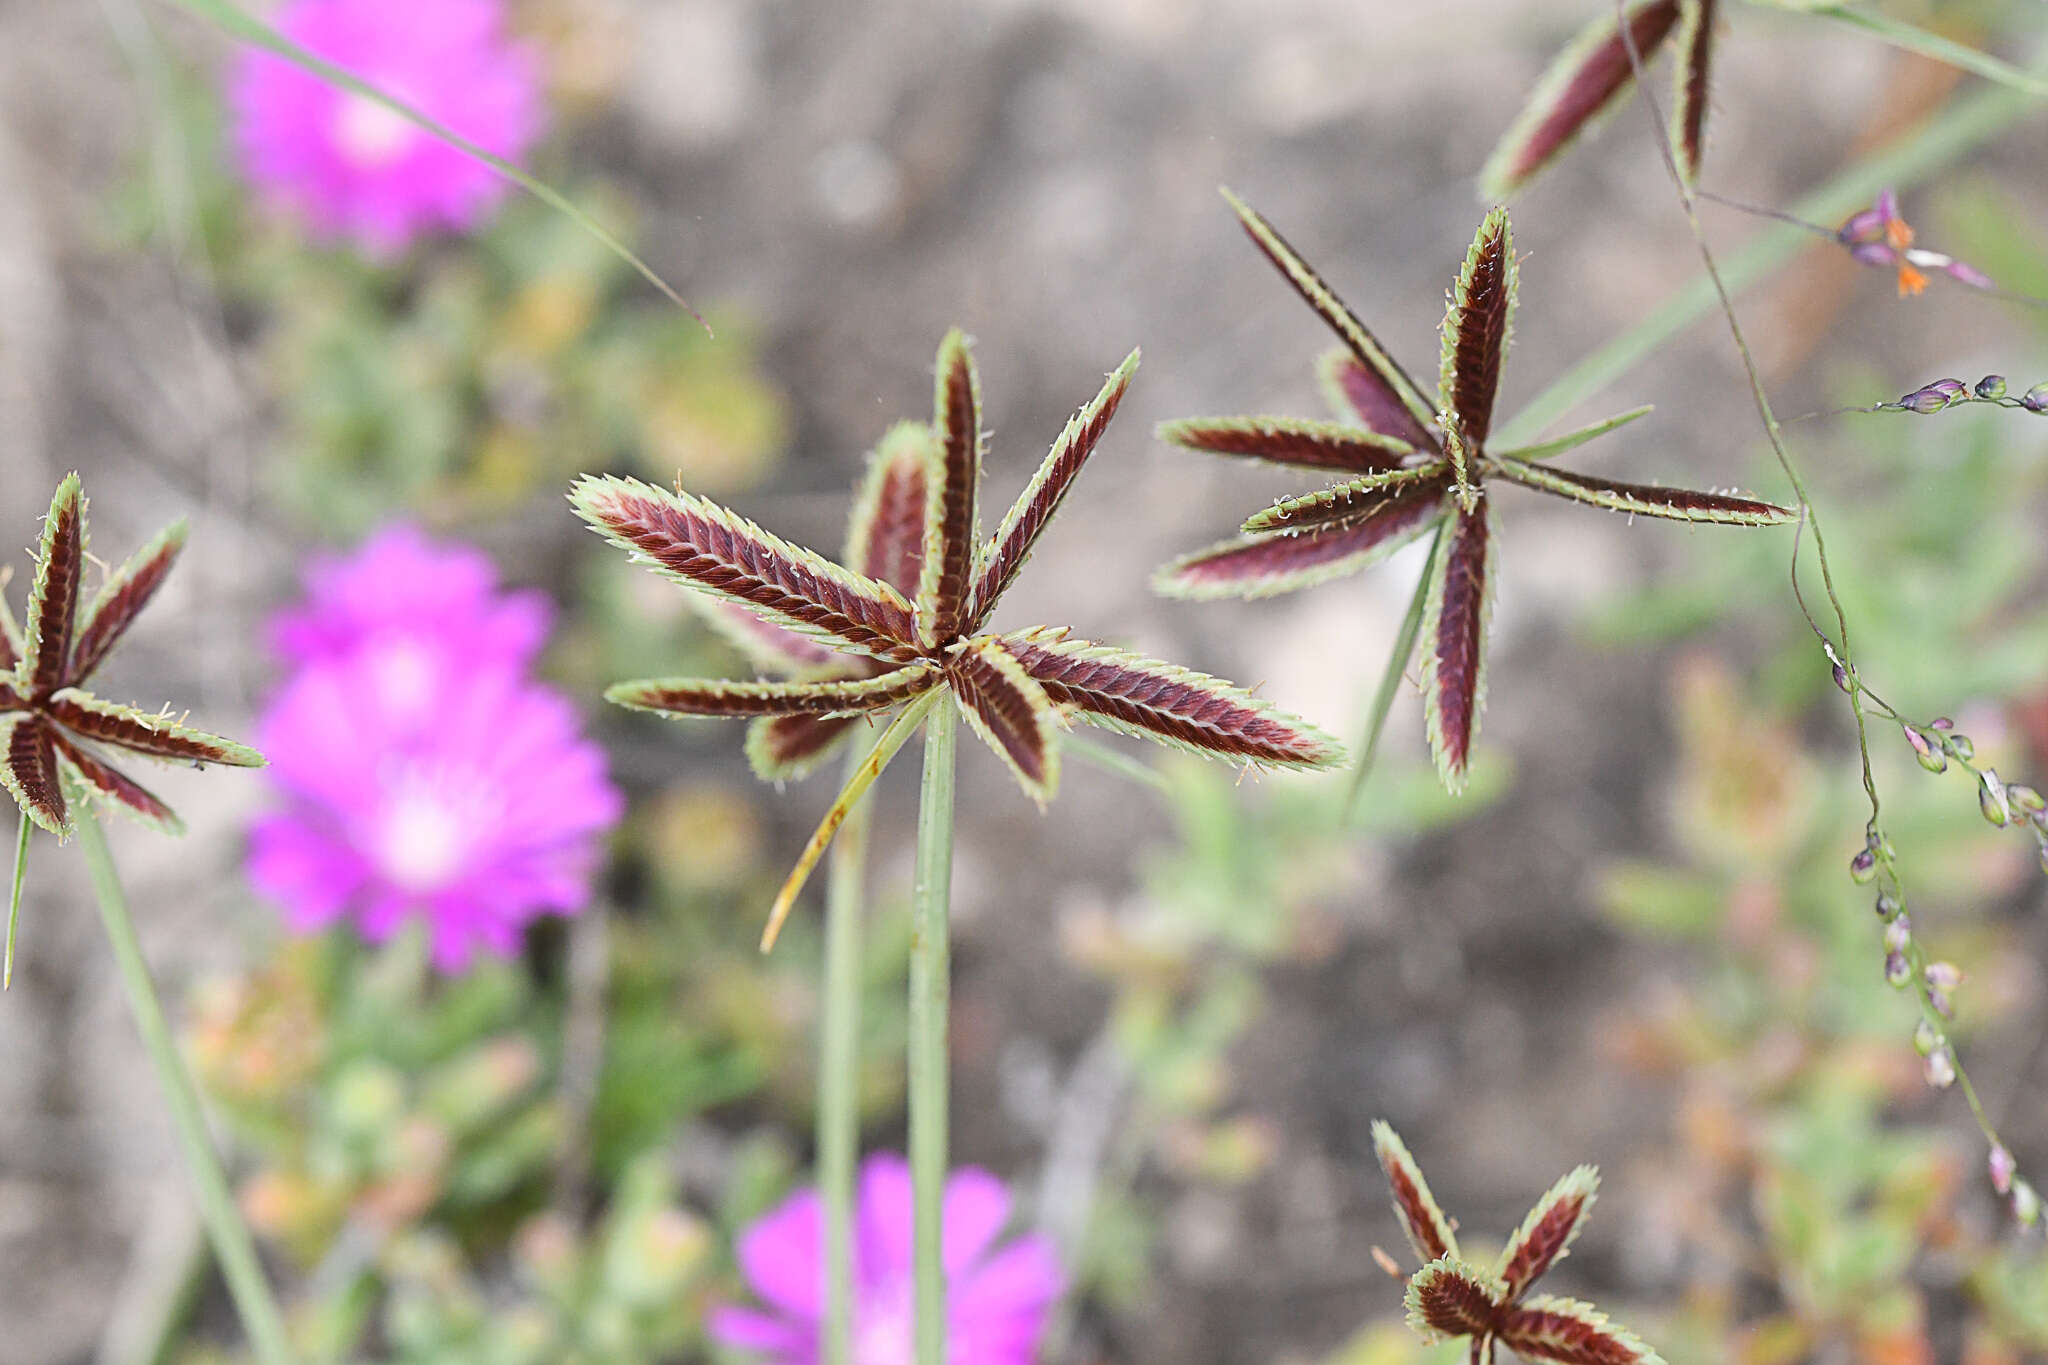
1558	445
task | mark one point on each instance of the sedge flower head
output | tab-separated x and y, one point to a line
348	167
998	1292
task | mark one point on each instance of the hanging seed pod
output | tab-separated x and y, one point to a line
1897	970
1863	867
1991	798
1925	1038
1991	386
1888	905
1941	1068
1926	750
2035	399
2026	1205
2002	1168
1898	934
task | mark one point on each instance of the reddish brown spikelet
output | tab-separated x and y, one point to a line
1009	709
1262	566
1585	81
1645	500
788	746
1366	397
704	546
1548	1231
1428	1229
1448	1298
892	550
1368	496
31	773
90	718
716	697
126	593
1695	73
1041	498
1571	1333
952	520
117	786
1290	441
1390	384
1481	309
1162	701
53	602
1455	637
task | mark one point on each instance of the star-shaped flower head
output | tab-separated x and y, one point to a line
1592	76
908	647
51	728
1412	465
1449	1297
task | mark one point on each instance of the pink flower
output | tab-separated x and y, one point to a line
476	824
410	610
349	167
997	1296
422	775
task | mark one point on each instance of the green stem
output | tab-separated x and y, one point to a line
14	899
928	1004
231	1241
1390	679
839	1066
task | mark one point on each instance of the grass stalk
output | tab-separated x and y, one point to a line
232	1245
929	991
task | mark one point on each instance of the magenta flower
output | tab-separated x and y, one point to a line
997	1295
400	599
422	774
348	167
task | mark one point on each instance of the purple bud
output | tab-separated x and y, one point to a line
1899	933
1941	1068
1873	253
1951	389
1925	401
1991	386
1939	1002
2002	1168
2035	399
1991	798
1886	205
2024	798
1863	867
1959	747
1944	976
1924	749
1888	905
1925	1038
1861	225
1842	677
1941	723
1897	970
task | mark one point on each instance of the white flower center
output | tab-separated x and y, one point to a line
885	1326
370	135
403	674
424	839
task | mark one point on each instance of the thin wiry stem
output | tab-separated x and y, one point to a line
1844	662
838	1130
231	1241
929	1001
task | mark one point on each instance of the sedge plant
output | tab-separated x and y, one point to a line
54	742
927	657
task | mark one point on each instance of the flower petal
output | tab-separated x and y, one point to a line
782	1256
